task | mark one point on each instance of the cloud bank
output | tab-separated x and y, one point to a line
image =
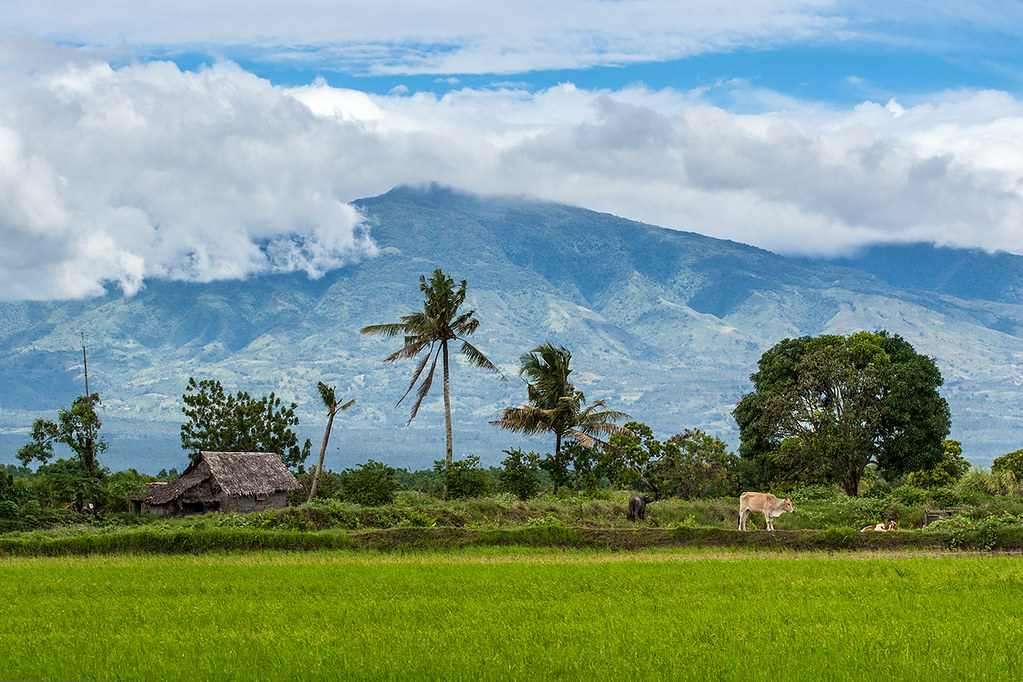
147	171
440	36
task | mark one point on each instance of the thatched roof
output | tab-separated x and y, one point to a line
236	474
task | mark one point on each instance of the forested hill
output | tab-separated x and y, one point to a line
665	324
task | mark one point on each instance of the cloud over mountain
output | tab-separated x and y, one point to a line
121	174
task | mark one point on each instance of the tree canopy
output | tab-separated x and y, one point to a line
823	408
689	464
78	428
216	421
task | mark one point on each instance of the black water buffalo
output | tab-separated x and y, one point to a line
637	507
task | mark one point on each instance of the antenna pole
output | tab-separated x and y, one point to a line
85	364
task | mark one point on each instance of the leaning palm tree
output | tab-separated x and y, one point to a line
334	407
555	406
428	333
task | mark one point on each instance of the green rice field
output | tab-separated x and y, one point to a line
514	613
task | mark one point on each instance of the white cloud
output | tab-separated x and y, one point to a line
439	36
147	171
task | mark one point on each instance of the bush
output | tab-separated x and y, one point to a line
979	484
1009	463
989	532
910	495
952	467
520	473
8	509
371	484
465	477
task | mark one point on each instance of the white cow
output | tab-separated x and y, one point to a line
765	503
879	527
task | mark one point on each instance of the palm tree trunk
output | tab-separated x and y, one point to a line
450	448
323	453
557	461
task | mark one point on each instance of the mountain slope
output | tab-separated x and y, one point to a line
667	325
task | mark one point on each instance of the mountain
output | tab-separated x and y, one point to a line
964	273
665	324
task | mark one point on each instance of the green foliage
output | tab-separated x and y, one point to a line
121	487
329	486
632	455
1011	462
216	421
986	533
977	483
428	333
8	491
910	495
65	483
77	428
824	408
952	467
556	407
464	478
690	464
370	484
8	509
520	473
696	464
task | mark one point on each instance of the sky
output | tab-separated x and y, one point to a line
203	141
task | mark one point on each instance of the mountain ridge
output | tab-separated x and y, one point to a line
667	324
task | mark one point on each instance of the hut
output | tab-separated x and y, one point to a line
224	481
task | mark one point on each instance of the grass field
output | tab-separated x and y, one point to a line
497	613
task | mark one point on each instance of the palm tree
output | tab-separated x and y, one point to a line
330	401
555	406
428	333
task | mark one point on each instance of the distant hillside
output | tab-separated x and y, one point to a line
667	325
965	273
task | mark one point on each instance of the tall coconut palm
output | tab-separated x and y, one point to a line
428	333
555	405
334	407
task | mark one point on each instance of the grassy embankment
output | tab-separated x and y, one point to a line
495	613
418	521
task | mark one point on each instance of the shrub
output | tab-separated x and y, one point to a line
465	477
952	467
520	473
963	532
8	509
1011	462
370	484
910	495
977	484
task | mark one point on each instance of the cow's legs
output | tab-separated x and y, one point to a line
743	515
770	522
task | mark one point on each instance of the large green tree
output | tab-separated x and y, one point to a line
217	421
555	406
427	334
823	408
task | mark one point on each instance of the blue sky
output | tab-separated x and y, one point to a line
841	73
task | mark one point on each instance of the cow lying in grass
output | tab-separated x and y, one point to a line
764	503
879	527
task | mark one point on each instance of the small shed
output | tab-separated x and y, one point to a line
224	481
